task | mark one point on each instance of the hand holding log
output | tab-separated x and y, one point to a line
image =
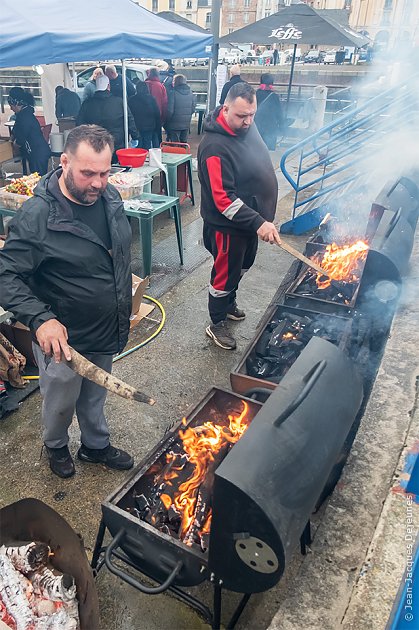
294	252
92	372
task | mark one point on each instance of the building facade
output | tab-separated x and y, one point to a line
389	23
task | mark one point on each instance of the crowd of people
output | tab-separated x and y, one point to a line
158	102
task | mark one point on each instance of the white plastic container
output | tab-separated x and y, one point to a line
56	141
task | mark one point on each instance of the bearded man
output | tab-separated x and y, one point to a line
239	193
65	272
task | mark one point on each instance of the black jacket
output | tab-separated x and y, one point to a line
239	188
145	111
67	103
180	107
33	146
53	266
116	86
107	110
236	79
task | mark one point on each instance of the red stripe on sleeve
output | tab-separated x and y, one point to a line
221	262
219	195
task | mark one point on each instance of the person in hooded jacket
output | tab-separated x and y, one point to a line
234	78
158	91
65	272
106	110
146	115
269	117
27	133
180	107
239	192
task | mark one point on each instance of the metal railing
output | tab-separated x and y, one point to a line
332	157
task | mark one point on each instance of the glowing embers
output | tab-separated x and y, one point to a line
178	497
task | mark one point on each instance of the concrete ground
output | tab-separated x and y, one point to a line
358	553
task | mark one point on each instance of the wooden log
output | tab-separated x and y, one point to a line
92	372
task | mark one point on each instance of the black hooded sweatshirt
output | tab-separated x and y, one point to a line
239	188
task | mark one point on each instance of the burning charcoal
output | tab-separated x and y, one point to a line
205	541
296	345
265	370
59	588
142	505
262	344
15	601
174	517
254	365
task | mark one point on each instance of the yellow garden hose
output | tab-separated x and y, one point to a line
138	346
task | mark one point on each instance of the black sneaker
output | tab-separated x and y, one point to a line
235	313
221	335
60	461
110	456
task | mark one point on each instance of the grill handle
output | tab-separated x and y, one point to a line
148	590
309	380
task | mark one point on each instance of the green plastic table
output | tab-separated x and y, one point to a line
171	162
145	218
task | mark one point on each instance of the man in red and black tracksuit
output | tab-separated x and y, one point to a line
239	192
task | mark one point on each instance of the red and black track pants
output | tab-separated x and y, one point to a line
233	256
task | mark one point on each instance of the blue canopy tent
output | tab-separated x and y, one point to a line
47	32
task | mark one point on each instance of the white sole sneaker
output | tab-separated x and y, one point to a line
216	340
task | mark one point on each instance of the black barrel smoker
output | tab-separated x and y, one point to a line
263	492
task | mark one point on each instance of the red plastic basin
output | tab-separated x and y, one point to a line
131	157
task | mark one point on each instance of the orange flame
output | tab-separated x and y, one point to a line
342	262
200	445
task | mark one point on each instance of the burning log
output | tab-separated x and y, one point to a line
32	597
27	558
58	588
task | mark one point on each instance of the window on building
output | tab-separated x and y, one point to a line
267	13
208	19
155	5
189	16
171	5
246	4
245	18
232	4
230	18
189	4
388	5
230	30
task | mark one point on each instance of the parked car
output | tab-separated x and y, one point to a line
314	56
133	70
330	57
193	61
232	56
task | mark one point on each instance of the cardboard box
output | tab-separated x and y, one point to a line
139	309
6	150
21	337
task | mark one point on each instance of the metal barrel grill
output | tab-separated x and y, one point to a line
253	503
33	520
255	524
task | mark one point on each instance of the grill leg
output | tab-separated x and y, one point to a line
98	544
216	620
305	538
238	611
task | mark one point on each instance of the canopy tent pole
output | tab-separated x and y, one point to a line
125	103
215	27
294	54
74	76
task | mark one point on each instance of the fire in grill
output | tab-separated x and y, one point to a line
175	493
345	265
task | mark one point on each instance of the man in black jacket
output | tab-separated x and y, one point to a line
234	78
106	110
65	273
239	192
67	103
